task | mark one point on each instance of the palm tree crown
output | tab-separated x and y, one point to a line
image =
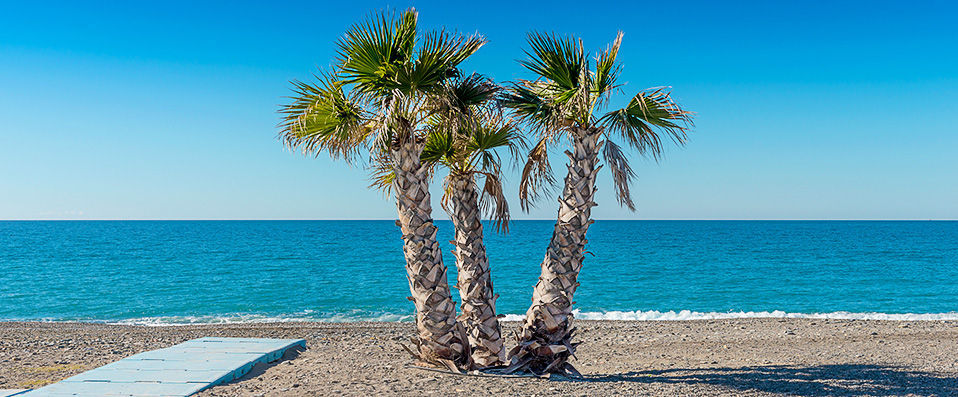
569	92
464	136
378	90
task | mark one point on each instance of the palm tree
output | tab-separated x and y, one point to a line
465	133
377	99
564	101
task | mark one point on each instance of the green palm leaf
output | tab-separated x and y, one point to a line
322	117
649	112
439	148
438	59
372	53
558	60
470	92
532	103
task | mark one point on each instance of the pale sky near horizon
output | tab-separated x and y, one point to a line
167	110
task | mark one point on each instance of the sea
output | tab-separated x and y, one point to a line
188	272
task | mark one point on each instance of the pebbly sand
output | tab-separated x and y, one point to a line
705	357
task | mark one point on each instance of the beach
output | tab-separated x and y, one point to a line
381	199
702	357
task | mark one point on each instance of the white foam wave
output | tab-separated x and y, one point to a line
654	315
638	315
256	318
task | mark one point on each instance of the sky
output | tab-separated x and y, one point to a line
168	110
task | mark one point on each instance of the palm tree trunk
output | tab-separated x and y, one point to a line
545	339
475	284
441	338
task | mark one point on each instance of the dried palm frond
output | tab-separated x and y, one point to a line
494	202
537	179
622	173
382	173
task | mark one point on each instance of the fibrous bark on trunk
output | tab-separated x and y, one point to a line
441	339
474	280
545	338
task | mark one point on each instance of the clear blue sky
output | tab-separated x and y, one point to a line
167	110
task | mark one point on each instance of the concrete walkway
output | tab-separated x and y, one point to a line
180	370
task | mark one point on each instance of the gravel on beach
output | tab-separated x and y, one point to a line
700	357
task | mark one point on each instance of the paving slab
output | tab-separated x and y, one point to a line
179	370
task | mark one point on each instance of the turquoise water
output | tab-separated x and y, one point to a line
212	271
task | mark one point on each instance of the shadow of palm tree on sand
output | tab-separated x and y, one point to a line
820	380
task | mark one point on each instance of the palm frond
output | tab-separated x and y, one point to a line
579	104
518	146
536	179
531	103
321	117
461	101
468	92
372	53
465	48
438	149
382	173
555	59
606	70
649	112
488	135
494	202
622	174
438	59
492	136
445	201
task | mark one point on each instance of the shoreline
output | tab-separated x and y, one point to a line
714	357
611	315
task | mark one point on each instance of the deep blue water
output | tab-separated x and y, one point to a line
182	271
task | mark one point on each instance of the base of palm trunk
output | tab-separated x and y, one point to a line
540	352
430	354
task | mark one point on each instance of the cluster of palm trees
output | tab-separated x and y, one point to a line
396	100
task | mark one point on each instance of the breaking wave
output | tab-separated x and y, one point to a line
651	315
256	318
682	315
360	316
